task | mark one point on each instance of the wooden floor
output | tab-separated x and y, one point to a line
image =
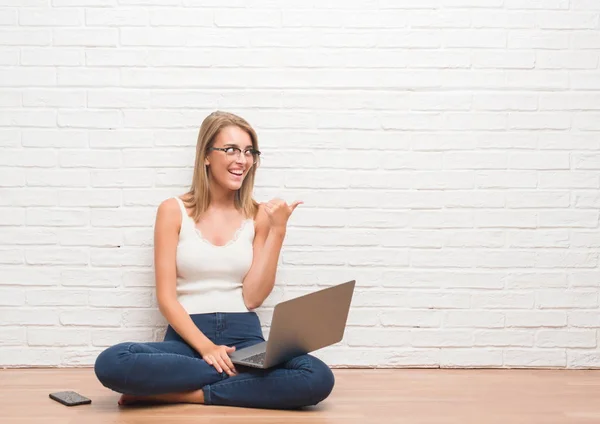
360	396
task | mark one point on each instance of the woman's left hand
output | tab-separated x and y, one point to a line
279	212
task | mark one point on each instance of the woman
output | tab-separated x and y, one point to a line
215	256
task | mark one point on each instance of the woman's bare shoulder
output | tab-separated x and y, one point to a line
169	211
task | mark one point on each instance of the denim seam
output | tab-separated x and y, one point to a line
206	390
310	388
231	383
164	353
131	367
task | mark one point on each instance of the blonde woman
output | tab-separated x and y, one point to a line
215	256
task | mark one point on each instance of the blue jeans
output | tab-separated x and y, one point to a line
174	366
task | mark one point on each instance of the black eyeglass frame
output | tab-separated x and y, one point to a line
224	149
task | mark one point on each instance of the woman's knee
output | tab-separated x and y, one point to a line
319	377
322	380
109	366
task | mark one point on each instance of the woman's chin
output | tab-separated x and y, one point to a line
234	186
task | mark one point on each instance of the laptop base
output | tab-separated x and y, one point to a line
246	355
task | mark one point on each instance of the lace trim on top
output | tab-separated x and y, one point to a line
198	232
235	237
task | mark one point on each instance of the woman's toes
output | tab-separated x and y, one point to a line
126	399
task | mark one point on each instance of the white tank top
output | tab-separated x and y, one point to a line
209	277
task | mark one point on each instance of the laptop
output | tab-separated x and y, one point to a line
301	325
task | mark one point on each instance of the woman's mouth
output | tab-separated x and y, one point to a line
236	174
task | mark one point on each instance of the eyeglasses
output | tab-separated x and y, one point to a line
233	152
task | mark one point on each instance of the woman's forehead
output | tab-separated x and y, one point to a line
233	136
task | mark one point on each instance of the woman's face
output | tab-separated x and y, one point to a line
228	169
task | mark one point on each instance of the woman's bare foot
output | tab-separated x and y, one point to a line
195	396
127	399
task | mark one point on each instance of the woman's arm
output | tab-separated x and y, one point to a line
271	222
166	236
260	279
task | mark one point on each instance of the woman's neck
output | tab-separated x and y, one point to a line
222	201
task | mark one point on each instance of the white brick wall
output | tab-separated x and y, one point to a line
447	151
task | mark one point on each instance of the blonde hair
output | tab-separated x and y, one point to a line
197	198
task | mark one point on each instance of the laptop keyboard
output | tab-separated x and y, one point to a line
258	359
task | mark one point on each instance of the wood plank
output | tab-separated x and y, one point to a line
361	395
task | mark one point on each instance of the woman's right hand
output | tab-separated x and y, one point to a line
217	356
